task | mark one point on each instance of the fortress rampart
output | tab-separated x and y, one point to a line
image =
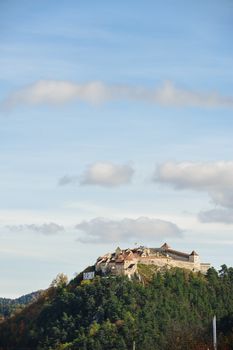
124	262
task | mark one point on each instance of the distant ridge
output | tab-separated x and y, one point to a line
8	306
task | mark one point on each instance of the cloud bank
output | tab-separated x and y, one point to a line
214	178
105	174
219	215
56	92
196	176
46	228
101	230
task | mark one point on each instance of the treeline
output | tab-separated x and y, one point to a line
9	306
173	310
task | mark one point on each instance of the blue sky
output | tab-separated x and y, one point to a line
131	103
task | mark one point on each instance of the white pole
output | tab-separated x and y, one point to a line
214	333
134	345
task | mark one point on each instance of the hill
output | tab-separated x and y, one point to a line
170	310
9	306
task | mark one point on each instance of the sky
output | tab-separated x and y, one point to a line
116	130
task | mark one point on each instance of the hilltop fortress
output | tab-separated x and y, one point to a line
125	262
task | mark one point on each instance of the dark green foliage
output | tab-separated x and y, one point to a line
9	306
171	311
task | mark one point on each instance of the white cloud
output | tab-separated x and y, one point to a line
56	92
215	178
169	94
104	174
224	216
46	228
101	230
196	175
107	174
223	196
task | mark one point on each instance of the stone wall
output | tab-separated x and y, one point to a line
168	262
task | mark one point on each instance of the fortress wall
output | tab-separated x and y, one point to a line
131	271
186	265
175	257
156	260
205	267
130	262
161	262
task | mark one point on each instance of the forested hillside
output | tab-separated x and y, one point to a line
171	310
9	306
